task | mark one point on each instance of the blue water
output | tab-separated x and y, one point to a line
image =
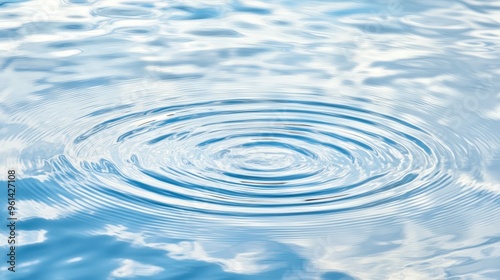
294	140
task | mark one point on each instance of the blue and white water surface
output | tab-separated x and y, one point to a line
199	140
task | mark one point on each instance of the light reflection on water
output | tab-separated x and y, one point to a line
253	140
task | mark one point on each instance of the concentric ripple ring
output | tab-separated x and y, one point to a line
242	157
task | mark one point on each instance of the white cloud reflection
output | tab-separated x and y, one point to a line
30	209
249	262
415	253
27	237
130	268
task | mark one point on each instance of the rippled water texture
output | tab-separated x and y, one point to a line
252	140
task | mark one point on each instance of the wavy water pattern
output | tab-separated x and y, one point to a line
252	140
236	157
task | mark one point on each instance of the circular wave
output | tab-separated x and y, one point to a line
258	157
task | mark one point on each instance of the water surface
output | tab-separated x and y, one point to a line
251	139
